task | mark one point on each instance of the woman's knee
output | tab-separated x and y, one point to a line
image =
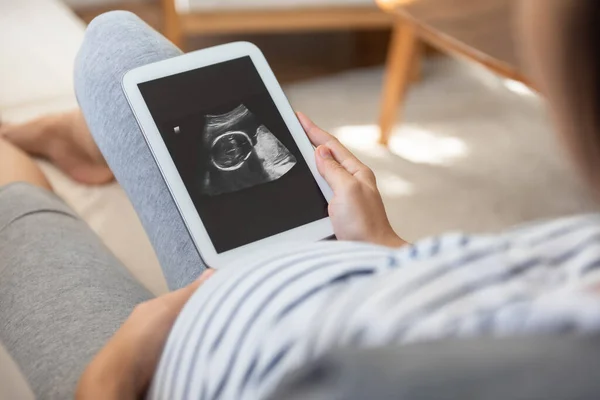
114	43
111	26
102	44
113	19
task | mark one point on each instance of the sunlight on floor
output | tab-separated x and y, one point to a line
497	83
410	142
364	138
391	185
518	88
423	146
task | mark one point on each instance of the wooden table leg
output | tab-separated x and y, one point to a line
171	24
416	74
400	65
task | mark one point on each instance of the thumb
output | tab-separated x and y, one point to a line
177	299
333	172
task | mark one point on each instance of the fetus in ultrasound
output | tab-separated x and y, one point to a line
241	153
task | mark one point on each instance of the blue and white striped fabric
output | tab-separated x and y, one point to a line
255	321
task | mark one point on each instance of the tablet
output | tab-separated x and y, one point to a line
231	151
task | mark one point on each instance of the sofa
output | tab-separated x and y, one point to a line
183	18
39	41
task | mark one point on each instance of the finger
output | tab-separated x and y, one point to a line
319	137
316	135
208	272
340	153
177	299
350	162
345	157
336	176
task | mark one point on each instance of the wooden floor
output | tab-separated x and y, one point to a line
293	57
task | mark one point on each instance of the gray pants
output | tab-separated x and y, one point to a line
62	294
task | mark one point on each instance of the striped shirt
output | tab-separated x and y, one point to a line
255	321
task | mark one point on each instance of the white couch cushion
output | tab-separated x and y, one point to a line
39	41
12	382
213	5
105	3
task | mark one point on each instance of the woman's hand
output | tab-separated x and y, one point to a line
356	210
123	369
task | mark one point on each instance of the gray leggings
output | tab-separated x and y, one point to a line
62	294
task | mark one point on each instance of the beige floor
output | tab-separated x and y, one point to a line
474	152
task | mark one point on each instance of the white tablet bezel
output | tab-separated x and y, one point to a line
313	231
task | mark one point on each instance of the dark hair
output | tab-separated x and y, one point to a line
581	74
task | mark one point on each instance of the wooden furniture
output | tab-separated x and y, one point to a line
479	30
180	23
148	10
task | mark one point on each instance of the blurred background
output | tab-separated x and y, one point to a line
431	94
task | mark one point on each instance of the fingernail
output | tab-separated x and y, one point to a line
302	118
206	274
324	152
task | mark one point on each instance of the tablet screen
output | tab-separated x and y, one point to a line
234	153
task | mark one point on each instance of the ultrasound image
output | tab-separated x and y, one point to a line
241	153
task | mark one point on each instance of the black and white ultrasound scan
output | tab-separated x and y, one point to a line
242	153
234	153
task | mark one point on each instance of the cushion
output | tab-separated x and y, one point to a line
231	5
36	79
39	41
12	382
117	4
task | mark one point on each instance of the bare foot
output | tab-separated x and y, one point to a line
65	141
